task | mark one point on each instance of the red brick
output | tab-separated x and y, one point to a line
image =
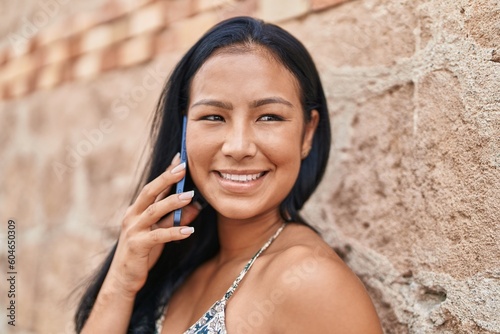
97	37
120	30
136	50
111	11
56	52
39	57
33	44
238	8
87	65
204	5
7	92
74	46
32	79
20	86
7	72
82	22
176	10
148	18
131	6
322	4
109	59
188	31
280	10
20	66
10	53
49	76
3	56
164	42
67	71
56	30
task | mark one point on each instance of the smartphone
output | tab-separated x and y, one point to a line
180	184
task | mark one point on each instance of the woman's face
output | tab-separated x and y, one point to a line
246	133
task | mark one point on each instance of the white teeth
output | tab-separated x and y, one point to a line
241	178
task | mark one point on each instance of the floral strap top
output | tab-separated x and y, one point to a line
214	320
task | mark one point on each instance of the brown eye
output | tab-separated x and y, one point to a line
270	118
213	118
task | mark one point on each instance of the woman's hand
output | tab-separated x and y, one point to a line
141	242
143	234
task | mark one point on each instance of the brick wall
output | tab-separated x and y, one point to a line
410	198
41	54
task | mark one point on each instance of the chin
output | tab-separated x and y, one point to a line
243	211
244	207
236	214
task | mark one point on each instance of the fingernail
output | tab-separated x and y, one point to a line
179	168
176	156
187	230
186	195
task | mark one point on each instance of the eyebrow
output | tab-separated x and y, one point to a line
270	100
253	104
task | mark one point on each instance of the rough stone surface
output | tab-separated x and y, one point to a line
410	197
413	184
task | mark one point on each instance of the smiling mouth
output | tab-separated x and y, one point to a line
241	177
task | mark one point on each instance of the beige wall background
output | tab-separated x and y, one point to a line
411	195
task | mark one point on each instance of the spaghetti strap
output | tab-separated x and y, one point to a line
243	272
214	320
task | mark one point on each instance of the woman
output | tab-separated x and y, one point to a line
258	138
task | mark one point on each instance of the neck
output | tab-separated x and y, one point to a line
241	239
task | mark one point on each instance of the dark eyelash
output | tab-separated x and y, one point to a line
275	118
213	118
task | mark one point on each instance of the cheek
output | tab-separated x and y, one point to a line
202	147
283	156
284	152
285	145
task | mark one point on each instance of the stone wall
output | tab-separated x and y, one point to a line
411	195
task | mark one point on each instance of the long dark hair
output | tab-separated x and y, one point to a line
179	259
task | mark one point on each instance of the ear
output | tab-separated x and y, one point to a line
309	130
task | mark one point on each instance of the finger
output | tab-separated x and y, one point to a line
163	194
151	190
189	213
176	159
156	210
163	235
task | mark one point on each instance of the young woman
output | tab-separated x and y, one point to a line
258	138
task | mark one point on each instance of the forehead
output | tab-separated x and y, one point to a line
244	72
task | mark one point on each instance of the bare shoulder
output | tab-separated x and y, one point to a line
320	294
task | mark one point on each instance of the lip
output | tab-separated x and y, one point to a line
240	187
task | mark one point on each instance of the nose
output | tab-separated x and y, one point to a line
239	141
